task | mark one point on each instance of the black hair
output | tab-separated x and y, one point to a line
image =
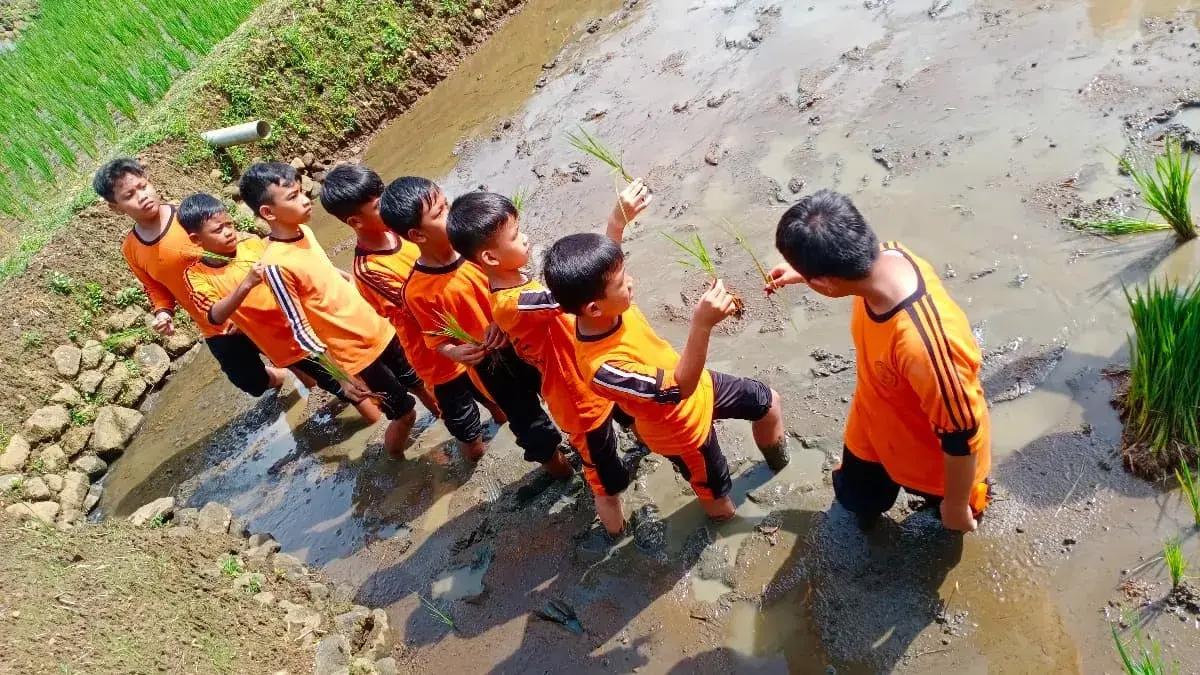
195	209
578	267
824	235
475	218
255	183
347	187
404	202
105	180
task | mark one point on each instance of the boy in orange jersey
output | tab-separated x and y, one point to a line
672	397
327	315
383	261
443	287
158	252
227	286
918	419
485	228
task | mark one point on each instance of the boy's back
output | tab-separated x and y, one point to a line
544	336
633	366
907	377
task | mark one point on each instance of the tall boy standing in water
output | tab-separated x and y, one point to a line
443	287
158	253
919	419
485	228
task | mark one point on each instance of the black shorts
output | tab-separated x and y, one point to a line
458	400
603	468
389	376
865	488
515	386
739	398
241	362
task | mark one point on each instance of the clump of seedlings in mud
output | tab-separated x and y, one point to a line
1164	188
1139	658
519	198
1189	484
1177	564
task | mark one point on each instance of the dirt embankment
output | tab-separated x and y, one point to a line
327	73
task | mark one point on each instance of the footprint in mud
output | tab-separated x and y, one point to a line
649	532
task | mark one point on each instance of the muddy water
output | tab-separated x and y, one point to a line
960	135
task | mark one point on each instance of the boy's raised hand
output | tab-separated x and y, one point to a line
255	276
782	275
630	203
716	304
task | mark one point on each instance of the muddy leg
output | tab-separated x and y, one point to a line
720	509
396	437
426	398
769	436
608	509
558	466
275	377
369	410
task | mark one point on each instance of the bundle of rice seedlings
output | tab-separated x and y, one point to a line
519	197
1189	484
1164	392
1165	189
1177	565
1116	226
1148	660
589	144
698	258
451	328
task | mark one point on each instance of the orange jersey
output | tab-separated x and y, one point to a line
324	310
634	367
259	316
545	338
380	277
918	394
458	290
160	266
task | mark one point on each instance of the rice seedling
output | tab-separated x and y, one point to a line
1164	393
1116	226
519	197
436	612
1177	565
697	256
589	144
744	244
1165	189
1189	484
1146	660
451	328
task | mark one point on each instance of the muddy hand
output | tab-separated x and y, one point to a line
782	275
356	390
958	517
163	324
632	201
716	304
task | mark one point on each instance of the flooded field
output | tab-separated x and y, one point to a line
965	130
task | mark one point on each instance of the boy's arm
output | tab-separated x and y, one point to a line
162	301
714	305
224	308
425	314
944	375
630	203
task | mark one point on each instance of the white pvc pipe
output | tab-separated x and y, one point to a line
247	132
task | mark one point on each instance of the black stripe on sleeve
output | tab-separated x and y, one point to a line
534	300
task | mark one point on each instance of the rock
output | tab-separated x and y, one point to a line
125	319
179	343
74	491
309	159
46	424
288	563
265	598
75	440
163	507
593	25
713	157
15	454
106	362
35	489
261	553
187	517
214	518
306	184
66	360
89	381
132	393
182	532
68	518
154	361
54	482
66	395
113	428
379	640
796	185
90	465
362	666
387	666
333	652
298	164
680	106
93	497
215	174
354	625
317	592
114	382
43	511
300	620
90	355
10	480
477	14
256	540
53	458
238	527
249	582
231	191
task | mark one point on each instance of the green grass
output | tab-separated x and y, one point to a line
130	296
82	415
519	197
32	339
231	566
1164	392
1165	188
1189	484
696	255
1145	660
1177	565
1116	226
60	283
92	297
589	144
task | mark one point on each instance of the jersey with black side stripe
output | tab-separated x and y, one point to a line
918	394
632	366
545	338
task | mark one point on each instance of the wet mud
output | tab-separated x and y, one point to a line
966	131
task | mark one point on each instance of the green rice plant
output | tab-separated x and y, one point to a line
744	244
1116	226
1164	392
589	144
449	327
61	283
1165	189
1189	484
519	197
136	334
436	612
1147	660
1177	565
697	256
